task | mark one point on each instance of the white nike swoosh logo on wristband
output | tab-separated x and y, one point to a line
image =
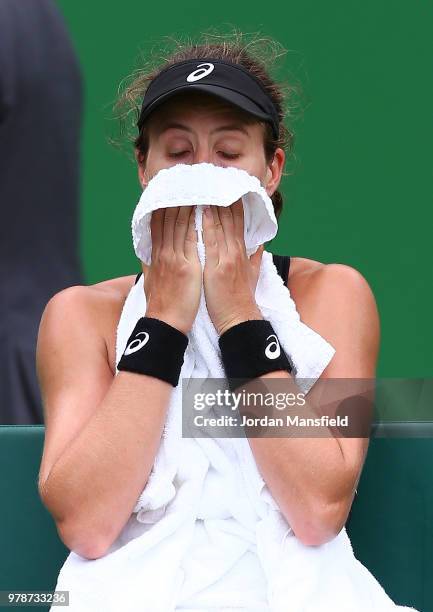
140	343
273	353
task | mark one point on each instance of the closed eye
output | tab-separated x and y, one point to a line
226	155
179	154
230	155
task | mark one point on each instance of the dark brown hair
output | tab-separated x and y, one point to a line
258	55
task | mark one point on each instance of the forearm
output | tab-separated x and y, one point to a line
94	485
307	476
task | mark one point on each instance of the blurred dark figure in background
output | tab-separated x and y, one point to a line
40	122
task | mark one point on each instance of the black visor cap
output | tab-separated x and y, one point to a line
219	78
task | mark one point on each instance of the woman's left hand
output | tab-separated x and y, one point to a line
229	276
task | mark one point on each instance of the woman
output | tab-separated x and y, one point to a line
100	445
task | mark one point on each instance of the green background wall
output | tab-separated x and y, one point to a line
361	191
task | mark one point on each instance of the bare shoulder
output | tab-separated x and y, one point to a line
98	305
115	287
308	278
302	267
105	297
337	301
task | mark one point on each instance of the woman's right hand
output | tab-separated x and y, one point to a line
173	281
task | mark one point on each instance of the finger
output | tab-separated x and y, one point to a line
256	259
156	229
238	220
219	230
191	237
255	264
226	237
209	238
181	227
170	216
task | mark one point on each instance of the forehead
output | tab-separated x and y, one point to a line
192	105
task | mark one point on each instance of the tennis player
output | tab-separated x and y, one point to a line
212	103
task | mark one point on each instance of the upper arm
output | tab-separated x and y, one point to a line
72	368
340	306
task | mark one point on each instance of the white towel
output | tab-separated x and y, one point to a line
206	532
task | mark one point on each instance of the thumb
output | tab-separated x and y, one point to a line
256	259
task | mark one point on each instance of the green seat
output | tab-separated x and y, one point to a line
391	521
390	524
31	552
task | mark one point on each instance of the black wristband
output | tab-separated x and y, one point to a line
155	348
251	349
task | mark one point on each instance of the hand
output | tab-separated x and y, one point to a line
229	276
172	283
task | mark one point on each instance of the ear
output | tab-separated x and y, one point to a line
274	171
140	169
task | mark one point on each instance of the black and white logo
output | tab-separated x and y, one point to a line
132	348
201	72
272	351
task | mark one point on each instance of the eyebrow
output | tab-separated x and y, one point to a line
180	126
